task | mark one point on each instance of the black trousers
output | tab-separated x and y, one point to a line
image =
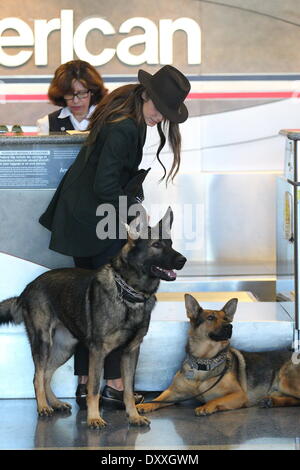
81	356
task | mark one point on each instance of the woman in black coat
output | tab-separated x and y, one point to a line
105	169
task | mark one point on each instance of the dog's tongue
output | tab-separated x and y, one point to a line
170	273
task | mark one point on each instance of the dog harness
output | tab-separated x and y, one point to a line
128	293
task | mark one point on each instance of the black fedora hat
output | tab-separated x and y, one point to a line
167	88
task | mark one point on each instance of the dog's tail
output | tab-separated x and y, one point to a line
11	311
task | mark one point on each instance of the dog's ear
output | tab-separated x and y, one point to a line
163	228
193	309
230	308
167	220
138	227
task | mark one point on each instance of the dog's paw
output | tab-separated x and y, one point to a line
96	423
45	411
146	408
62	407
204	410
139	421
266	402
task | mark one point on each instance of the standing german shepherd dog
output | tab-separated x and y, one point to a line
223	377
103	309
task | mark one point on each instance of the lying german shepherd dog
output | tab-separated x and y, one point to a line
222	377
103	309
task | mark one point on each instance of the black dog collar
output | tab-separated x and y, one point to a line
126	292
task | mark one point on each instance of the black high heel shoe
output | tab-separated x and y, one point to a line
81	394
113	399
110	398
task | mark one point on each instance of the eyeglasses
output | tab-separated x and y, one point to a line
80	95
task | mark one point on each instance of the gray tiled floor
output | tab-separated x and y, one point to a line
174	427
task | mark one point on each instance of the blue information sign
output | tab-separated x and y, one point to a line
27	167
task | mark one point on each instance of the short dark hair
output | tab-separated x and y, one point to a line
82	71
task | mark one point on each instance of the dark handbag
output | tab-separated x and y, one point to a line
134	186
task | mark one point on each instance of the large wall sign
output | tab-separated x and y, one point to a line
236	53
157	40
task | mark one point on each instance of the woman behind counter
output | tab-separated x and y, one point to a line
78	88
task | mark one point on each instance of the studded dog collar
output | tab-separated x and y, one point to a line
128	293
207	364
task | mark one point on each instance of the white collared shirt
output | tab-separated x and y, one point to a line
43	123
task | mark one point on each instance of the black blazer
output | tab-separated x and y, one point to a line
99	175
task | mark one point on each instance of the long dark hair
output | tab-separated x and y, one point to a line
127	102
